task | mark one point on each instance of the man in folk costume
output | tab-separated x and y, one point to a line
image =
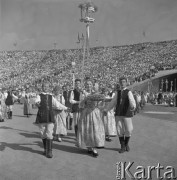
66	95
125	105
9	102
75	99
45	117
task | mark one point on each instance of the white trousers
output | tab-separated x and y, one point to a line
46	130
124	126
9	108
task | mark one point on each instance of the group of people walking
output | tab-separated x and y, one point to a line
97	115
8	97
6	104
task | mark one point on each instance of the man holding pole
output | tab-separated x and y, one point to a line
75	99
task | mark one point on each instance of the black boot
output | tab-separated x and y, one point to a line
67	123
10	115
70	123
49	148
75	129
44	144
122	142
127	148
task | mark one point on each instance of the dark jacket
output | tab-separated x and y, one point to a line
45	112
9	99
75	107
66	95
123	105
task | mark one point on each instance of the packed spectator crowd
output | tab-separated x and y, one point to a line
105	64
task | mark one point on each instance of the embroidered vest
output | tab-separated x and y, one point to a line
75	107
123	107
45	113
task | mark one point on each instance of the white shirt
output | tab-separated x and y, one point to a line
71	99
55	104
138	98
15	97
5	94
113	103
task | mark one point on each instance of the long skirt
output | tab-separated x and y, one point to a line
91	129
3	111
27	108
110	124
60	123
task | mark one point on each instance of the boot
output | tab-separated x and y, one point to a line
10	115
122	142
67	123
44	144
75	129
70	123
49	148
54	137
127	148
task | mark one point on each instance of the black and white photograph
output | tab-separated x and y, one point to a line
88	89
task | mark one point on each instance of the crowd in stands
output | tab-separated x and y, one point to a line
105	64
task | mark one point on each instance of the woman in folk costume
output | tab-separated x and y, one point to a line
3	105
25	99
22	96
33	97
9	102
59	116
27	103
45	117
91	132
109	119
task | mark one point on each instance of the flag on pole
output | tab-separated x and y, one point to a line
78	38
87	39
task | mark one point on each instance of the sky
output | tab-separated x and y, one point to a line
38	24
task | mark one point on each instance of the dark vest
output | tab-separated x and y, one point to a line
75	107
45	112
66	95
160	96
9	99
123	106
110	94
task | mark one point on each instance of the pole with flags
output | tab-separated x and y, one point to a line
86	10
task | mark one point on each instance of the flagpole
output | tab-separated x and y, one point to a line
86	10
83	62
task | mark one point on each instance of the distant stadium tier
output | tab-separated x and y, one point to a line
165	81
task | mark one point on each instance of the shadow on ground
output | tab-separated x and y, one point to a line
18	147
